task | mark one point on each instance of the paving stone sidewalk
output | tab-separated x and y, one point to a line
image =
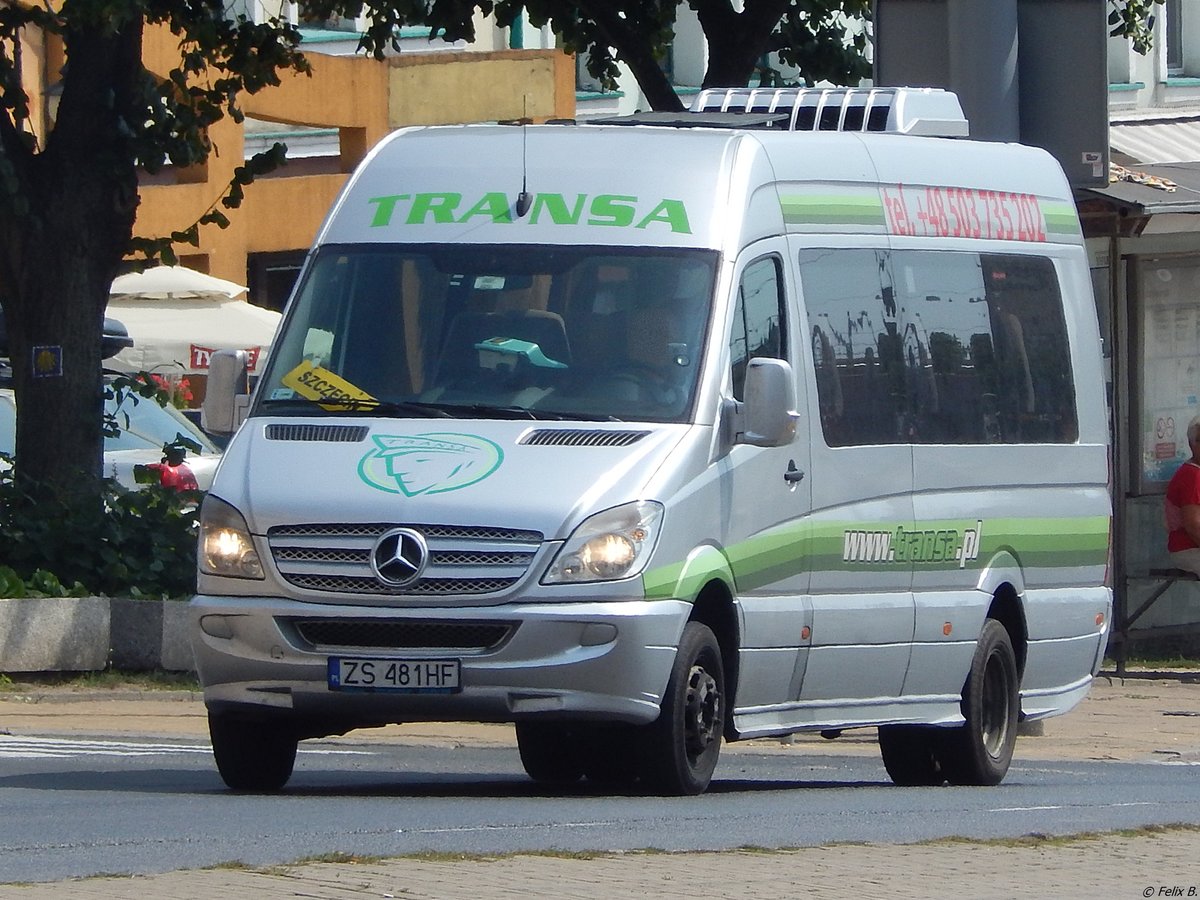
1154	865
1144	716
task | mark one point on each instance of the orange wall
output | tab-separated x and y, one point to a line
365	99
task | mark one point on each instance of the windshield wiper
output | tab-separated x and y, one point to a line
488	411
578	416
390	408
402	408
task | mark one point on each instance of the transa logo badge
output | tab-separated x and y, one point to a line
428	463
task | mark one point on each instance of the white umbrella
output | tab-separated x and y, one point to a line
173	283
177	336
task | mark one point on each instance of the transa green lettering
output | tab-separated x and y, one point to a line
611	209
670	212
493	205
556	206
439	206
384	207
606	210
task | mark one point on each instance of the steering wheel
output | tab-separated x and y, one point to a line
649	383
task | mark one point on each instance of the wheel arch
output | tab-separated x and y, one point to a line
705	578
714	607
1007	608
1004	579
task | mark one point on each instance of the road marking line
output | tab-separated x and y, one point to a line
1066	806
12	747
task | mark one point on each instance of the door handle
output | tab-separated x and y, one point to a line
793	475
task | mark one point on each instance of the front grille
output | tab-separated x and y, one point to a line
425	587
463	559
414	635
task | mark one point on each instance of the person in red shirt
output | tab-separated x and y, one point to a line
173	472
1181	507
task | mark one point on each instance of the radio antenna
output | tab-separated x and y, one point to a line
524	200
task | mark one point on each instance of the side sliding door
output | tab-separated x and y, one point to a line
862	470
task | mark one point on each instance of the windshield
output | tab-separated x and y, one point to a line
509	331
145	425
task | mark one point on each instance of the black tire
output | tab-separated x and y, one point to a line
980	751
610	755
912	754
251	755
681	747
550	752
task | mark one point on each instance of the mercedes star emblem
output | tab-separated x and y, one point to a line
399	557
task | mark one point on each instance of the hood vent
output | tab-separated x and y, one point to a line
580	437
337	434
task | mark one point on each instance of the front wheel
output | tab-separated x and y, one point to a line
980	751
681	747
550	752
252	755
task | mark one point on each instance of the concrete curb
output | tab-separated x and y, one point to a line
86	634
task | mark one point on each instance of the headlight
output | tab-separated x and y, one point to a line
608	546
226	547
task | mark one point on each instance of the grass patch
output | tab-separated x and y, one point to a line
1156	663
1064	840
1037	840
107	680
338	857
233	865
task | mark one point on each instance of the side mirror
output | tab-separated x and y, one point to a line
227	395
768	414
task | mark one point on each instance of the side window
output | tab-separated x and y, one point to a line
1037	391
857	346
938	347
758	326
986	353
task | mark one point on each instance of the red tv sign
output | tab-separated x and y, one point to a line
201	355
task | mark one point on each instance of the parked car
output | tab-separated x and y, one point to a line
140	441
145	426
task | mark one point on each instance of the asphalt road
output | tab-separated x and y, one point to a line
83	806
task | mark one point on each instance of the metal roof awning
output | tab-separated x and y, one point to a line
1152	141
1153	189
1155	167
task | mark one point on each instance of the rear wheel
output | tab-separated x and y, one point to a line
912	754
980	751
681	747
550	752
252	755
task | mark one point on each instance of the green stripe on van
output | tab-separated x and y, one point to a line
1061	219
864	210
794	547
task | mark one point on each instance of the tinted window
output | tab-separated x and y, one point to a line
758	320
8	426
147	426
144	426
938	347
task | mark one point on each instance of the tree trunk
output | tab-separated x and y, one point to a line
59	260
736	41
635	50
656	86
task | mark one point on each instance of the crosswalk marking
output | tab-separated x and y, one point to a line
14	747
20	747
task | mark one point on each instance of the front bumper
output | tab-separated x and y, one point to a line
598	660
